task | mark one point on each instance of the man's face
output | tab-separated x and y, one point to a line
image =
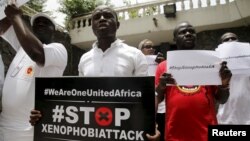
229	37
148	48
104	22
43	29
185	37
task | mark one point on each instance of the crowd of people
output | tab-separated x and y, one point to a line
181	115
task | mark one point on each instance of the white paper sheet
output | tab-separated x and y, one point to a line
237	55
194	67
3	4
151	64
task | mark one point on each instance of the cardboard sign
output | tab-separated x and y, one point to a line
95	109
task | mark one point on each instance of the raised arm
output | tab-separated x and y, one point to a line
165	78
4	25
223	90
29	42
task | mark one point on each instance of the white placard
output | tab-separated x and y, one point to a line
151	64
3	4
194	67
237	55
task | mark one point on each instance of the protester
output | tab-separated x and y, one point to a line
37	56
109	55
228	37
147	48
189	109
2	70
235	111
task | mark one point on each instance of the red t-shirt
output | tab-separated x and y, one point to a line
189	110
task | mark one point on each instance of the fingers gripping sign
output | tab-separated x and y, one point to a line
225	74
167	78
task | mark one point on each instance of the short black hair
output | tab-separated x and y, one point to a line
108	7
179	25
230	34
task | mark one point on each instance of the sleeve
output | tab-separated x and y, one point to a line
160	69
141	66
214	89
10	37
56	55
80	73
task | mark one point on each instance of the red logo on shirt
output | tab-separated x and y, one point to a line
29	71
189	90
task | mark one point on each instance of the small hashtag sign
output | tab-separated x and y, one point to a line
46	91
58	113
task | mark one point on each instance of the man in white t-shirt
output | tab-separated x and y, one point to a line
36	56
109	55
235	110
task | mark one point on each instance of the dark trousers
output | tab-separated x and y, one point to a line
160	120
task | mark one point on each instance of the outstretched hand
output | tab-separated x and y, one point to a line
35	117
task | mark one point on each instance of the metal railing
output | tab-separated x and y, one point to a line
149	8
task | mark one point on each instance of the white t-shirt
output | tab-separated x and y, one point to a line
19	86
118	60
236	109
